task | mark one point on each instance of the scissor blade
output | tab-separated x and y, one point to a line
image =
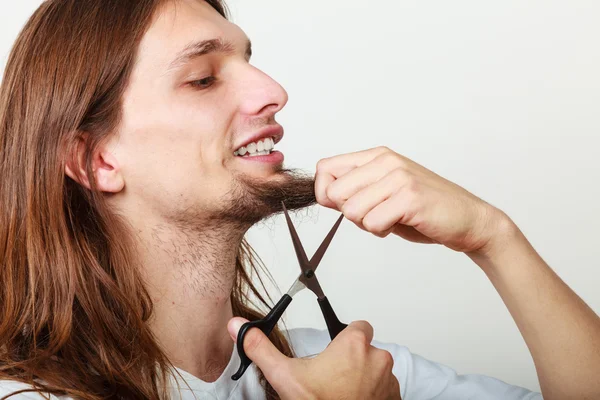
300	253
303	282
316	258
297	286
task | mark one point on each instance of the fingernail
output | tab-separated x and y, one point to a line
234	326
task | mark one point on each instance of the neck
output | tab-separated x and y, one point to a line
189	275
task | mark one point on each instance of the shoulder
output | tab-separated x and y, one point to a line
418	377
8	387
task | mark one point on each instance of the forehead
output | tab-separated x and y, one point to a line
182	22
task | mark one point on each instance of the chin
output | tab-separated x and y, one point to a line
255	198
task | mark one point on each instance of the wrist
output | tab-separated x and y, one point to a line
503	233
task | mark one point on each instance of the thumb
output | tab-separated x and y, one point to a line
259	349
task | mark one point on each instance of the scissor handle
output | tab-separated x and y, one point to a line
334	326
266	325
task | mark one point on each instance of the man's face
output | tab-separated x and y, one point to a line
192	102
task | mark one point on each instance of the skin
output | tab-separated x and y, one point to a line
385	193
171	173
349	368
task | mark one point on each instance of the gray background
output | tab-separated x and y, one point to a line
500	97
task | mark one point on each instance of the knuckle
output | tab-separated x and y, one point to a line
373	225
351	211
320	194
358	338
369	224
386	360
322	164
389	158
409	182
334	193
401	175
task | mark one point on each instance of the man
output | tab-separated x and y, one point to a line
137	149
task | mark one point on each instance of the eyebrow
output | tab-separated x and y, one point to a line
204	47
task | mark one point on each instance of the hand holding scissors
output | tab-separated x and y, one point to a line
307	279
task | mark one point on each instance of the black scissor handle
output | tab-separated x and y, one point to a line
266	325
334	326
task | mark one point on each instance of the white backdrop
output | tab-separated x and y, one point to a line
500	97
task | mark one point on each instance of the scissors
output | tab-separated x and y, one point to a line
307	279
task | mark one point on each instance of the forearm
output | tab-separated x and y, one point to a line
561	331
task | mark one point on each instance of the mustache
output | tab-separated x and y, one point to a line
258	123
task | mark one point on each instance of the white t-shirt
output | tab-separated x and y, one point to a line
419	378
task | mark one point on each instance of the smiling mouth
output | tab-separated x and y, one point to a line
262	147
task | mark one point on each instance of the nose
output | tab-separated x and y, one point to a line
260	95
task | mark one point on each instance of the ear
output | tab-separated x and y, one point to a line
105	166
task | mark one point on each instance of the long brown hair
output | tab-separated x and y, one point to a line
74	306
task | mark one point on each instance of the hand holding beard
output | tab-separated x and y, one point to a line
384	192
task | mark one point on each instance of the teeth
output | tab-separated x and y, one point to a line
251	148
240	152
262	147
260	153
269	144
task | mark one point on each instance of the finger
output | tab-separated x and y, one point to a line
360	326
360	177
341	164
323	179
260	350
330	169
234	325
322	182
360	204
401	208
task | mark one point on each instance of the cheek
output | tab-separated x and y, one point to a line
172	165
173	146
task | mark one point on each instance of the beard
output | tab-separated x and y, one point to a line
252	200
